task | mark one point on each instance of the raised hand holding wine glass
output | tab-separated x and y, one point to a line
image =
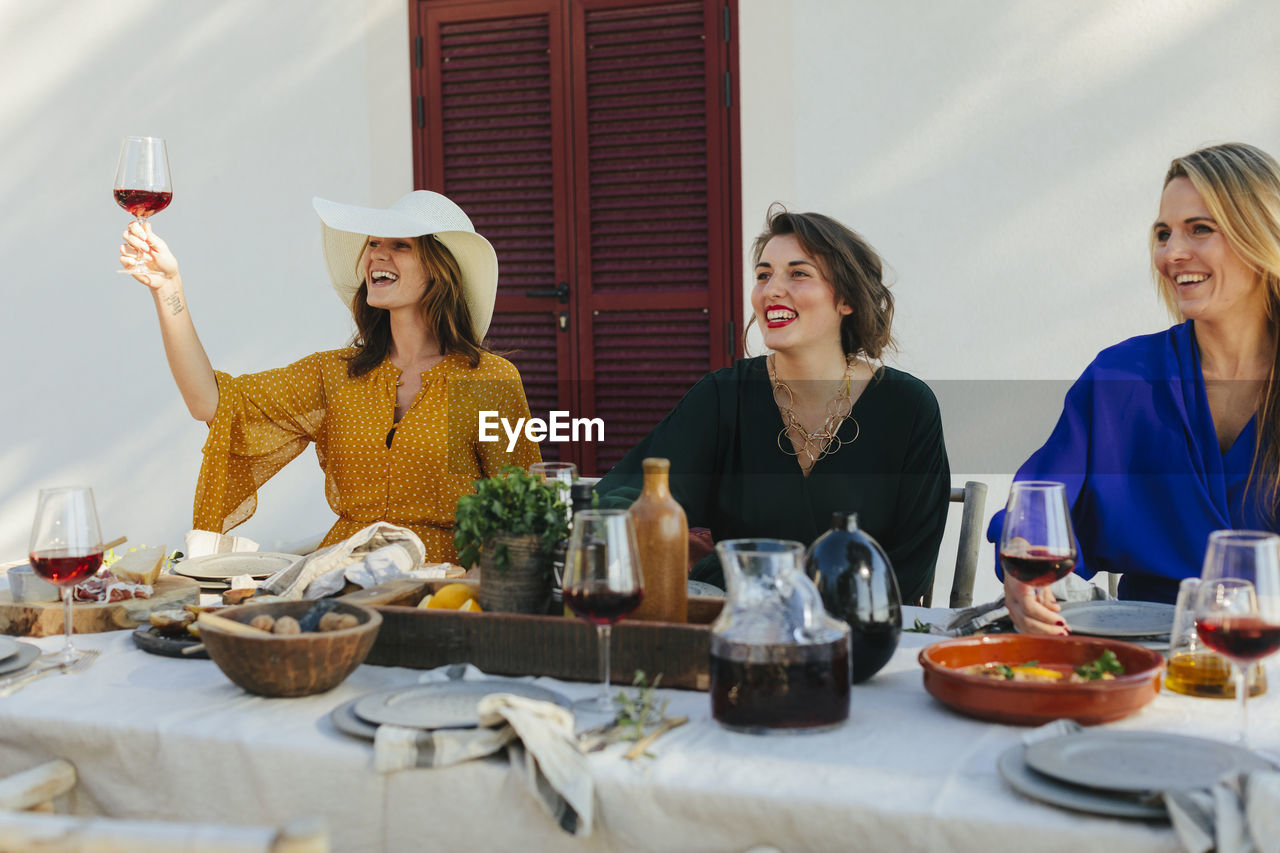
66	548
602	583
1238	605
142	186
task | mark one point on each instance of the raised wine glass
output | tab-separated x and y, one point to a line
142	186
1238	605
1038	545
602	583
66	548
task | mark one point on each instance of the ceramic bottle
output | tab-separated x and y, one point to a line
662	536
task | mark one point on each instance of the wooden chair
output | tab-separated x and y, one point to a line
23	826
974	498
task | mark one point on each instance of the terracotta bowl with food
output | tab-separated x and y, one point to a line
290	662
1029	680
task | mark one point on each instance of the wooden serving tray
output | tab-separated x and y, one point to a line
44	618
516	644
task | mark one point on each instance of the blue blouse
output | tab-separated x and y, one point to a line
1138	452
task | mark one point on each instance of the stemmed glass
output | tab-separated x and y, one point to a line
561	473
1238	605
142	186
1038	545
602	583
66	548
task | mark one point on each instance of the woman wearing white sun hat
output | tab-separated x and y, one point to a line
394	416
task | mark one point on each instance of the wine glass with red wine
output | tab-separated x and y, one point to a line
143	186
1238	605
1038	545
66	548
602	583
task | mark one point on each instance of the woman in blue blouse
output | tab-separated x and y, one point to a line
1167	437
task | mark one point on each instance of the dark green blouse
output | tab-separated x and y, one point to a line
730	475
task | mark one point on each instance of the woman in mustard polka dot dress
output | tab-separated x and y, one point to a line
394	417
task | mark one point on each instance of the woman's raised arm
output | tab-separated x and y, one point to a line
188	361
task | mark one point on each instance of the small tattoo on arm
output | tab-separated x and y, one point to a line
174	302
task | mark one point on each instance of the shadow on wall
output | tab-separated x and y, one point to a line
261	104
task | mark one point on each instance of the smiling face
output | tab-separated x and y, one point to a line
394	272
1207	280
793	302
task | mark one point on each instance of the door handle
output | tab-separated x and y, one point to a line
560	292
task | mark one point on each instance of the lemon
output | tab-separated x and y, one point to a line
450	597
471	605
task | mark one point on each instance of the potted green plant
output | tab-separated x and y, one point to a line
511	526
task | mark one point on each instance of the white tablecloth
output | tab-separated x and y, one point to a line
173	739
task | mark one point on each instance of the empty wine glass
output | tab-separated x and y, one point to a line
602	583
1238	605
1038	544
563	474
66	548
142	185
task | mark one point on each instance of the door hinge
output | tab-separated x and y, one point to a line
417	48
728	95
422	111
724	23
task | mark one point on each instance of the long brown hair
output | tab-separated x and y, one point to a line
852	267
1240	185
443	304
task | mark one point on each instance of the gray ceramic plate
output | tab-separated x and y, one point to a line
1013	768
442	704
1138	762
701	588
345	720
8	648
215	567
27	652
1119	619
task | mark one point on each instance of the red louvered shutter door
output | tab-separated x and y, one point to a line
590	141
652	272
495	133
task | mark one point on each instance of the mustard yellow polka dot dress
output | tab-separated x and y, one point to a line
266	419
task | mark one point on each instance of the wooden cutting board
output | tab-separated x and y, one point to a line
44	618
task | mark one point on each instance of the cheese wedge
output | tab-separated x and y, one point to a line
140	565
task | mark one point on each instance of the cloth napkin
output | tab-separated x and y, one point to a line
994	615
378	553
202	543
539	741
1239	814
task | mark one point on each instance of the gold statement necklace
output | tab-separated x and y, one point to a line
794	439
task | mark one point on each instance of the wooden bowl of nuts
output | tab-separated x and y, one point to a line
289	648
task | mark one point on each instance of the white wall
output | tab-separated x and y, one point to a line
263	104
1006	158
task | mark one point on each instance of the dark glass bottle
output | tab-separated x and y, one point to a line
581	496
856	580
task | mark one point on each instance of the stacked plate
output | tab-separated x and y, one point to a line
214	571
438	705
1134	621
1120	773
15	656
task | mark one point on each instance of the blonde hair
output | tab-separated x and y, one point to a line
1240	185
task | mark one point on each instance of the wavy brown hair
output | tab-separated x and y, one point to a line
850	265
1240	185
443	304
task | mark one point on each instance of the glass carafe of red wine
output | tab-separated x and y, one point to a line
779	662
1038	544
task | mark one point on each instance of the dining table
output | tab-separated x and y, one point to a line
163	738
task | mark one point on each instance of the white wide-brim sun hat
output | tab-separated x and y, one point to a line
345	228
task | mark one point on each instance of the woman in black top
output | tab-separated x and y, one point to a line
771	446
